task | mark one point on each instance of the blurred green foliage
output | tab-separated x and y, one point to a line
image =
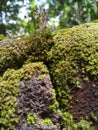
73	12
9	10
69	12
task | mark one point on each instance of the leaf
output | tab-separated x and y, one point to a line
32	5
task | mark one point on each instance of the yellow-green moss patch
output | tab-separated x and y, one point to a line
74	55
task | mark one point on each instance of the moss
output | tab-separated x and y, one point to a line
93	117
8	101
55	106
84	125
69	124
41	42
46	122
9	91
40	77
31	118
33	48
75	52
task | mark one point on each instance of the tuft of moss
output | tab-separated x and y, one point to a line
41	42
54	106
31	118
46	122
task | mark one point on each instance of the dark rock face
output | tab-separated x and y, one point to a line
25	127
84	104
35	97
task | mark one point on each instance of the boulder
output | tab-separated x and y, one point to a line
49	80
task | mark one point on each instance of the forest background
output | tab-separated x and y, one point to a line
20	15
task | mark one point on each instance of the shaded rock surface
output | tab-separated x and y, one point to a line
35	97
84	103
40	127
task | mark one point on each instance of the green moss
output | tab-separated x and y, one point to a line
84	125
9	91
8	101
54	107
46	122
31	49
41	42
75	53
31	118
69	124
93	117
40	77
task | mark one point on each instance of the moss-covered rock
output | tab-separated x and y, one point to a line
24	93
75	51
73	62
27	96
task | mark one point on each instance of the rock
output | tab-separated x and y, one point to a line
49	81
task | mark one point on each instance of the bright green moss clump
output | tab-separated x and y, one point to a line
31	118
46	122
74	55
